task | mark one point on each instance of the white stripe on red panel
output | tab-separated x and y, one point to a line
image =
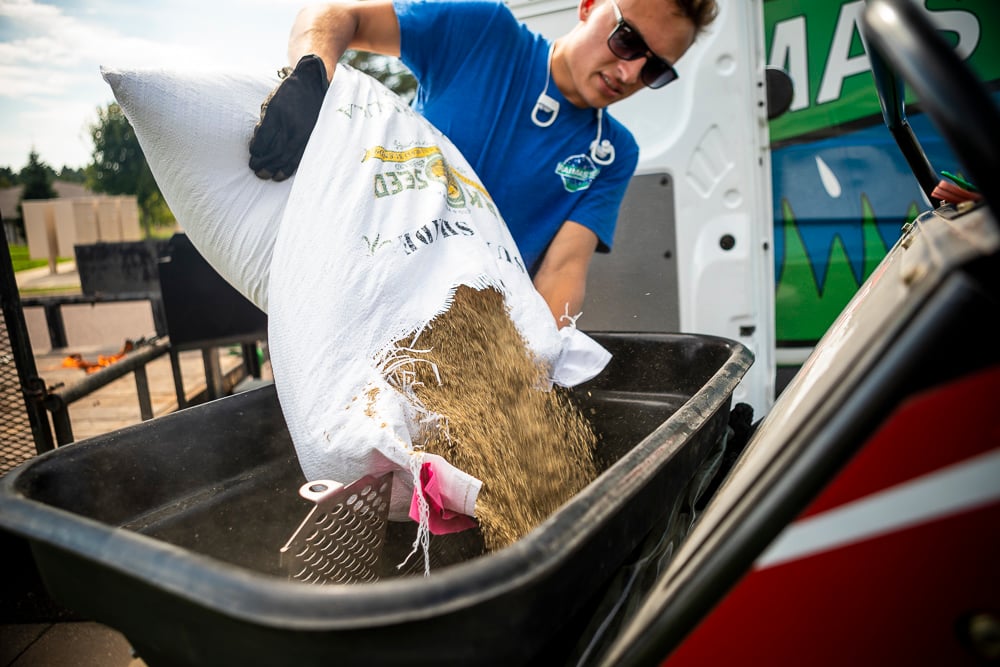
961	487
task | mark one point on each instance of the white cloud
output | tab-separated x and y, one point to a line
50	55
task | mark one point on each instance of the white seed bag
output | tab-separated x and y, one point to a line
194	129
363	247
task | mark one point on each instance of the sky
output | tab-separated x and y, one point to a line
51	53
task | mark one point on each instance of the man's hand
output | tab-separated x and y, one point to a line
287	119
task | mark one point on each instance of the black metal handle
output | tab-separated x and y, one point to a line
901	39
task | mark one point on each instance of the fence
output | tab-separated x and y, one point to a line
24	427
54	226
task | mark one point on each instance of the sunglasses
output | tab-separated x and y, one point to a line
626	43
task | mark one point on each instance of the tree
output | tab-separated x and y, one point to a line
72	175
390	71
8	177
36	177
120	168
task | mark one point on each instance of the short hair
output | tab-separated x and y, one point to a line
700	12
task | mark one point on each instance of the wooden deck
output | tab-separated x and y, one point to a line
117	404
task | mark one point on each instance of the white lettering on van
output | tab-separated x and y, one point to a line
789	48
789	52
964	24
839	62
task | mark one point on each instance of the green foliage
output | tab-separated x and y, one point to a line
390	71
37	179
804	308
8	178
120	168
71	175
159	213
118	161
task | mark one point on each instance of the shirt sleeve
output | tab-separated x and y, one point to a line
435	35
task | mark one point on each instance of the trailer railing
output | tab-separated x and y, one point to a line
53	309
35	417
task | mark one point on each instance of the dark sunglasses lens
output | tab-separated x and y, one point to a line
656	73
625	43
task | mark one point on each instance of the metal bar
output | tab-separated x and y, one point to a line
142	389
175	367
229	380
72	299
56	326
959	105
52	305
892	100
60	420
223	341
915	157
35	393
32	387
159	315
250	359
127	364
213	372
58	402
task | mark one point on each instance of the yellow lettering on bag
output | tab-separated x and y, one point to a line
440	170
386	155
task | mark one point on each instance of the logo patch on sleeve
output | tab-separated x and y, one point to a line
577	172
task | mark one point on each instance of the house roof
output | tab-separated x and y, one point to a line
10	197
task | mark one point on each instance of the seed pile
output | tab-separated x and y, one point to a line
531	447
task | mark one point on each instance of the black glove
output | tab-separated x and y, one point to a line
287	118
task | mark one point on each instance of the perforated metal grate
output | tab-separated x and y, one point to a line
17	443
341	539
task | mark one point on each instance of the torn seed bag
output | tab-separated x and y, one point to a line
364	246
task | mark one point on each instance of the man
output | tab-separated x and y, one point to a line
527	114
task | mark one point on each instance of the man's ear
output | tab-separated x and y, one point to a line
585	9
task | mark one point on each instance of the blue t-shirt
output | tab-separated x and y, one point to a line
480	72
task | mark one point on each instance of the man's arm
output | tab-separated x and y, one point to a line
319	37
328	30
562	276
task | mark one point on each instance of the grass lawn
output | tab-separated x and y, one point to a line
19	253
19	257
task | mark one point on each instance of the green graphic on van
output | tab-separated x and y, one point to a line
826	245
805	307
